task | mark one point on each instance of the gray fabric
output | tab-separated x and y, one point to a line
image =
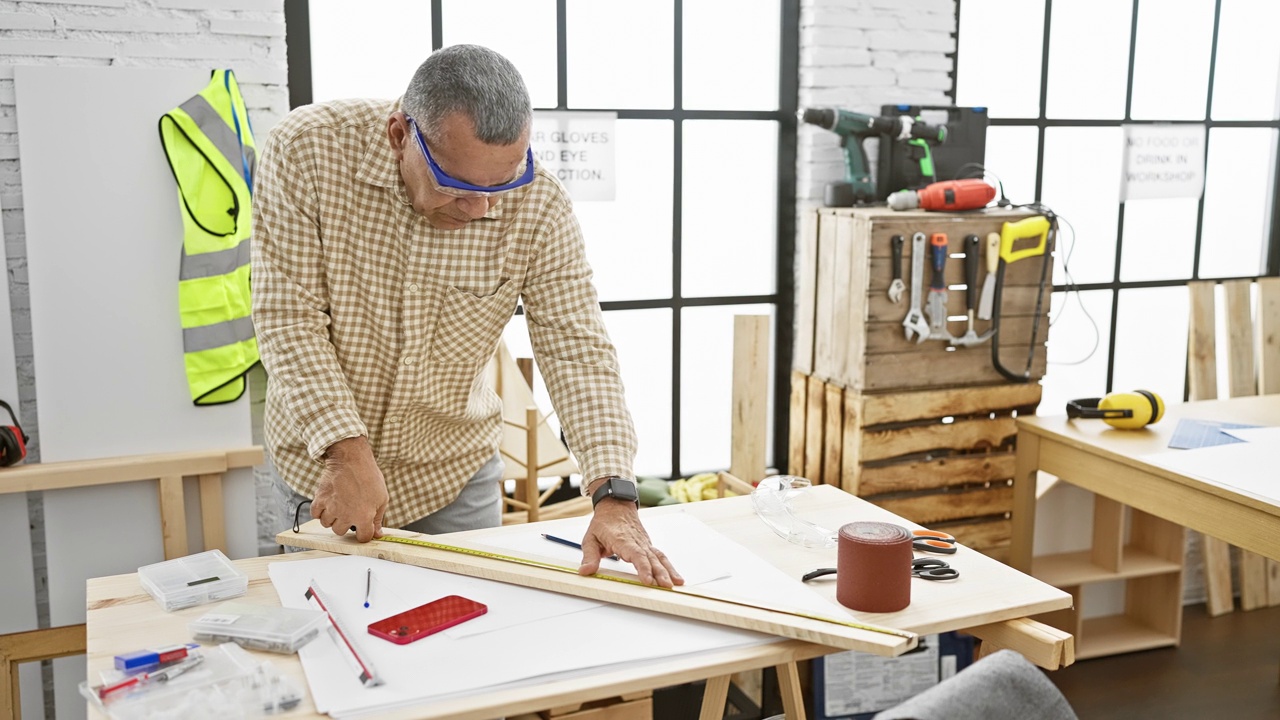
477	506
1001	686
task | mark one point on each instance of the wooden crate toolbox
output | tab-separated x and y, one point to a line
925	430
850	334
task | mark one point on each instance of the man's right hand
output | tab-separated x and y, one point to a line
352	491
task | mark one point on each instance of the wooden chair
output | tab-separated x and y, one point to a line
1253	368
168	471
529	448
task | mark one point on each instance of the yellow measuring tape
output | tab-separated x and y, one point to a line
574	571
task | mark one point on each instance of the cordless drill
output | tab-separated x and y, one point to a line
853	129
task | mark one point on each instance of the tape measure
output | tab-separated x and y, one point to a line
629	581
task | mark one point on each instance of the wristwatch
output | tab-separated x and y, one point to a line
618	488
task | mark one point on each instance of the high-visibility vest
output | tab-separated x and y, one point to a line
211	151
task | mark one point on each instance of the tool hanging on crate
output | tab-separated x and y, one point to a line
1035	230
938	289
971	262
914	322
896	287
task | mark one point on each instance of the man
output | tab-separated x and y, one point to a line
392	242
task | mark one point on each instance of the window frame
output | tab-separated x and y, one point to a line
298	41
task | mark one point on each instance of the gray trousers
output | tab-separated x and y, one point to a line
477	506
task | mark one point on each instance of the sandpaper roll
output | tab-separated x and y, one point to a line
873	567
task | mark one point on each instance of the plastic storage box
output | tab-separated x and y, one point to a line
276	629
192	580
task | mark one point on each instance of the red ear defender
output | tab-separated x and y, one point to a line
13	442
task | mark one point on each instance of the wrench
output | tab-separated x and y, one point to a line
914	322
938	290
971	262
896	287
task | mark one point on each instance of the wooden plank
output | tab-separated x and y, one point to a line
967	366
855	338
880	267
882	337
107	471
814	422
173	517
842	324
796	423
33	646
954	505
1202	356
791	690
1217	569
1273	582
1268	336
691	603
1108	533
833	433
851	442
749	421
1241	380
903	407
243	458
1046	646
1020	301
936	473
212	521
1026	470
823	328
806	292
714	696
1155	602
981	534
971	434
1253	581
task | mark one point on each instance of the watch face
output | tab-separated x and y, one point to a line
619	488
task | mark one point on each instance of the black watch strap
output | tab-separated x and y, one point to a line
618	488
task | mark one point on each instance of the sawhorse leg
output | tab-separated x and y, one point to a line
717	692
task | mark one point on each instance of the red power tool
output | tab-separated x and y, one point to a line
968	194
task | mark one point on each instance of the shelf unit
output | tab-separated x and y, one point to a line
1149	564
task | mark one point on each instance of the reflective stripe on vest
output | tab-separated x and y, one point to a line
212	154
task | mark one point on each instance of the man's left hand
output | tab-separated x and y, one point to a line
615	528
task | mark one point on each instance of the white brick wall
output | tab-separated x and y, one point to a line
246	35
860	54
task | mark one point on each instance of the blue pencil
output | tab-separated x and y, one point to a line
570	543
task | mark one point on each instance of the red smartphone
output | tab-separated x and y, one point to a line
428	619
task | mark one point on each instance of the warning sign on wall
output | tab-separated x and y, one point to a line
578	148
1162	161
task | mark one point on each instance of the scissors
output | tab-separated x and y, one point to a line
933	569
933	541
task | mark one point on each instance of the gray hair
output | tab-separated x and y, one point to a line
475	81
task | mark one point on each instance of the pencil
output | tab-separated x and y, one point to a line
571	544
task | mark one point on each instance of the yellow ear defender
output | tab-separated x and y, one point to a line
1127	411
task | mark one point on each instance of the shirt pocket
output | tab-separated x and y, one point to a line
470	325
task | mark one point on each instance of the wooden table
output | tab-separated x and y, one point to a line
990	600
1104	460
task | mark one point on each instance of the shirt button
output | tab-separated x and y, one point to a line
413	287
393	419
409	360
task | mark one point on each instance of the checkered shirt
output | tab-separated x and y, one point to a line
371	322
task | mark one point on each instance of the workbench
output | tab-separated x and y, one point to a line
990	600
1108	462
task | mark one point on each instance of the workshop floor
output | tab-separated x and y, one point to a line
1227	667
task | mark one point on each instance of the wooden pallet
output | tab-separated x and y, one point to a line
940	458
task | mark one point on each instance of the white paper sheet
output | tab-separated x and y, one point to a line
1256	434
450	663
684	539
1249	467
